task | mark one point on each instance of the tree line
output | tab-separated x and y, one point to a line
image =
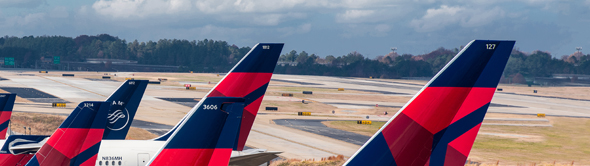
200	56
219	56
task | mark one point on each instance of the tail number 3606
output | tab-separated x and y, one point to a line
210	107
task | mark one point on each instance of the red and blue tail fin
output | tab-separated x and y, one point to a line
249	80
6	104
439	125
77	140
207	137
226	113
124	102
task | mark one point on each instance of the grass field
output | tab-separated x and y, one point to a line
568	140
45	124
351	126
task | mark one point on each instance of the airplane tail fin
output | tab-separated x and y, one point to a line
210	138
6	104
439	125
249	80
227	111
77	140
124	102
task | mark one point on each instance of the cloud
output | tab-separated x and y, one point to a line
21	3
354	16
142	8
59	12
28	20
133	8
382	28
301	29
439	18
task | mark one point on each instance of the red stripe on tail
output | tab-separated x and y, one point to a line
247	121
240	84
74	138
435	107
477	98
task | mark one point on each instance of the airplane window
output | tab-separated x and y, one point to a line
99	162
106	163
119	162
113	162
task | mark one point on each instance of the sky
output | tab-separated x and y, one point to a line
322	27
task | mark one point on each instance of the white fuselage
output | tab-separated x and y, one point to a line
130	152
127	152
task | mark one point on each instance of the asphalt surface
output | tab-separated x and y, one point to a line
93	79
154	128
505	105
372	83
27	92
368	105
549	97
316	127
34	95
295	82
189	102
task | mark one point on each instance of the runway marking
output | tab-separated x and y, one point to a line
73	86
299	143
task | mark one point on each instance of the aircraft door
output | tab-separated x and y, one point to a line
143	159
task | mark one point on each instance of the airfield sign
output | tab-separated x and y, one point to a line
56	60
9	61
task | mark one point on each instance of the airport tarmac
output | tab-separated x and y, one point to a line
523	104
166	105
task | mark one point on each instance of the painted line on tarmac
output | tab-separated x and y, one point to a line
299	143
519	125
74	86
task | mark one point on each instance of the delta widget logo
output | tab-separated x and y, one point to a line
118	116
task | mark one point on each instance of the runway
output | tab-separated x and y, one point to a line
163	106
518	103
316	127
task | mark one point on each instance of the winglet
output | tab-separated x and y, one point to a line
124	102
77	140
439	125
6	104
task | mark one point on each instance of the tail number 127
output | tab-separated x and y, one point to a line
490	46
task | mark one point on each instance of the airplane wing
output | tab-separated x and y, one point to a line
255	159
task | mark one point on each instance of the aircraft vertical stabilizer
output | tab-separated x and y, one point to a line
439	125
6	105
77	140
222	120
124	102
249	80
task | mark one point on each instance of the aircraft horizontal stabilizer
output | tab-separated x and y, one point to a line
254	159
